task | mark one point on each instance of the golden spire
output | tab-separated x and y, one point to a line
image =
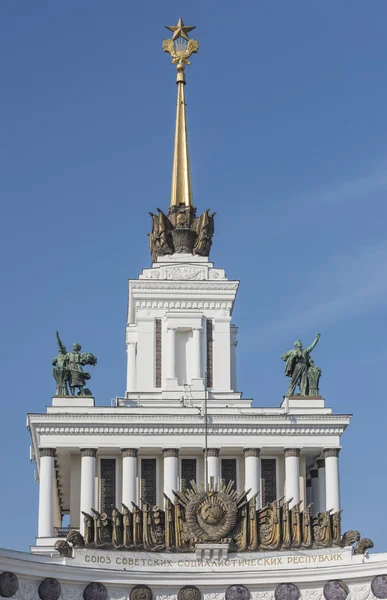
180	47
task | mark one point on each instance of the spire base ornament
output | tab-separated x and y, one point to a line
181	232
183	240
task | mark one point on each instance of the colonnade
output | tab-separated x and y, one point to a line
323	491
323	486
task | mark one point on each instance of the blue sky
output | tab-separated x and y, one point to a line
287	129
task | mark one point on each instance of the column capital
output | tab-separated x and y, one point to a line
314	474
212	452
131	452
320	463
329	452
171	452
91	452
51	452
292	452
251	452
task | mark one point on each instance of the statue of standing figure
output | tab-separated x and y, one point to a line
301	369
68	371
60	370
77	376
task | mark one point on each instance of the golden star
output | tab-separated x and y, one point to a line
180	30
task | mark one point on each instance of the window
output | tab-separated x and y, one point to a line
108	485
268	480
229	471
188	472
148	480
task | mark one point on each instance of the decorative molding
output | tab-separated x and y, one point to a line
331	452
185	273
50	452
359	591
193	430
210	352
28	590
320	463
251	452
295	452
220	285
129	452
185	304
91	452
171	452
214	452
158	352
236	416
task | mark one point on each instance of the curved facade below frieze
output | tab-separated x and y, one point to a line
310	575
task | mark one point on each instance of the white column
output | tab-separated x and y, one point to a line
213	468
321	485
46	492
131	373
292	475
332	478
171	472
234	343
196	358
252	472
222	354
315	492
129	476
87	483
171	353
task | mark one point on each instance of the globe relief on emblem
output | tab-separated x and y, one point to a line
335	590
141	592
189	592
49	589
237	592
287	591
379	586
95	591
8	584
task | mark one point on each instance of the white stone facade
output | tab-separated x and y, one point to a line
170	306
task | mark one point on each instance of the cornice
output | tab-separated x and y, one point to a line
168	285
184	304
80	429
119	417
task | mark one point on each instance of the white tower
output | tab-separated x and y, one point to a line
180	340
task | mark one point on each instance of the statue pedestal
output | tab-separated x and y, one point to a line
302	402
73	401
211	551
